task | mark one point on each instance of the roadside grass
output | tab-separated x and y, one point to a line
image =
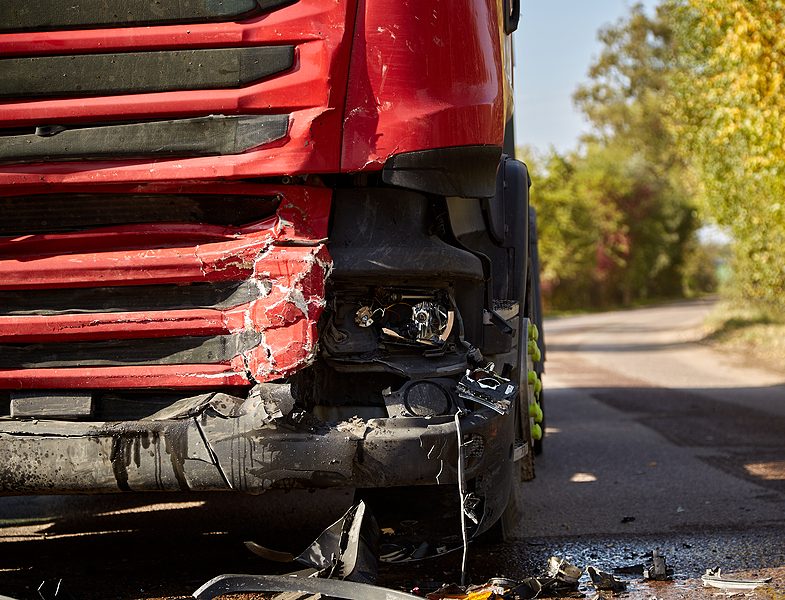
753	333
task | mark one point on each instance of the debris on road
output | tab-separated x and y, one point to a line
346	550
658	570
348	590
563	571
715	578
630	570
493	589
561	578
605	581
504	589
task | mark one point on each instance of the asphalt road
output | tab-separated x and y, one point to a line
653	441
644	422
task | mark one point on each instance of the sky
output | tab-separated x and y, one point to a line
554	46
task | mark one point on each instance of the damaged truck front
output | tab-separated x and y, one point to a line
263	244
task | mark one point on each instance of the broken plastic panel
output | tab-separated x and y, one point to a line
166	304
483	386
236	584
563	571
715	578
658	570
346	550
605	581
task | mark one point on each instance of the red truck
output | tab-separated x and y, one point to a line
263	244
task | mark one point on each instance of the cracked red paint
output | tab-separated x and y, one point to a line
285	255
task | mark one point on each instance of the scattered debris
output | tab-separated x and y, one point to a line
346	550
407	552
495	588
531	587
561	578
349	590
658	570
563	571
715	578
630	570
605	581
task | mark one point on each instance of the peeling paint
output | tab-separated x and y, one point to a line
284	257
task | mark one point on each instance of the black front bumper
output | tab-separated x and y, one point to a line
247	452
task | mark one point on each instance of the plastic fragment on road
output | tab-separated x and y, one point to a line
348	590
630	570
658	570
346	550
403	552
715	578
605	581
493	589
563	571
501	589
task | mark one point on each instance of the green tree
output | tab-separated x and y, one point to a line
728	105
616	218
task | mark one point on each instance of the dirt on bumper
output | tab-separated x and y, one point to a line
219	442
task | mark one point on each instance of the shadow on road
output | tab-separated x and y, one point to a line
150	545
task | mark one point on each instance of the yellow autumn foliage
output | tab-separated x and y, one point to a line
728	104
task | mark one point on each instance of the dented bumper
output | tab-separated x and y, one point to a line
216	442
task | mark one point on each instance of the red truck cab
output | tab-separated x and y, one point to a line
260	244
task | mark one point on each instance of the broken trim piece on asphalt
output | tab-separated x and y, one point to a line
715	578
347	549
236	584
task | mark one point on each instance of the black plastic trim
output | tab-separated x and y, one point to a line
381	234
128	298
140	72
202	136
147	351
466	171
512	15
53	213
45	15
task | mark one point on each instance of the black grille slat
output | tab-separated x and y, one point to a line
57	213
201	136
133	352
140	72
44	15
132	298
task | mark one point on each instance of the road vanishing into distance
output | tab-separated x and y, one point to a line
654	441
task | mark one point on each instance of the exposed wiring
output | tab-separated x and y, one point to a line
462	496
